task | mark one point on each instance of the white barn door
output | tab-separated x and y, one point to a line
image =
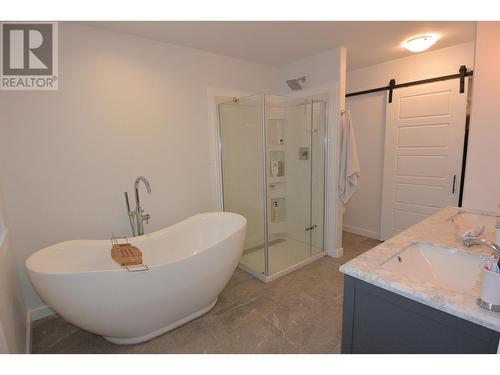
424	139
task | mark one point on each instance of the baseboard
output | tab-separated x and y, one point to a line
336	253
28	333
361	231
40	313
35	314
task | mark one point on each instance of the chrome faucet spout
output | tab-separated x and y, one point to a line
481	241
136	185
145	181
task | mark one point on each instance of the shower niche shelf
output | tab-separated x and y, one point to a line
276	189
272	148
272	179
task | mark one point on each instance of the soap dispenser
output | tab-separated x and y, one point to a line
275	212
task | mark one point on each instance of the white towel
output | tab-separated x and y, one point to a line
349	163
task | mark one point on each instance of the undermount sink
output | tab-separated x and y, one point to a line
444	267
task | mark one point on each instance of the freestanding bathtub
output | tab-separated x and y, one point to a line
189	264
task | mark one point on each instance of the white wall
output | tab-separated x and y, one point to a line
368	114
363	211
13	316
419	66
125	107
482	175
321	71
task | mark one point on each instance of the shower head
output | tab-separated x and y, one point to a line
294	84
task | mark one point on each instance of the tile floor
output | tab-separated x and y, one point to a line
298	313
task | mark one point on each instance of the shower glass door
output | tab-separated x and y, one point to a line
295	144
242	161
318	155
273	173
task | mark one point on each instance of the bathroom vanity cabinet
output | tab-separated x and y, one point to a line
379	321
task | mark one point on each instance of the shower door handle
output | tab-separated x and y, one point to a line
311	228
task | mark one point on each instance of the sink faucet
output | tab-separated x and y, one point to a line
138	213
481	241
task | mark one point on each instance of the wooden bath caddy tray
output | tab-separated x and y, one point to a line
126	254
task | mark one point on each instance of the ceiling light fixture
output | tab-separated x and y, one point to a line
420	43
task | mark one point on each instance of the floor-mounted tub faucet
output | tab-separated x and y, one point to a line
138	223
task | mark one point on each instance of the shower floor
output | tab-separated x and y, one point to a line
282	254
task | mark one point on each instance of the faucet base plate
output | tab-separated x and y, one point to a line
487	306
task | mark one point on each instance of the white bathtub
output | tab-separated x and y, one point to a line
189	265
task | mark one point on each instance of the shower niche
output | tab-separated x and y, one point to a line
276	164
265	179
276	151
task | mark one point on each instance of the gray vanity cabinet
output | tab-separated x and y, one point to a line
378	321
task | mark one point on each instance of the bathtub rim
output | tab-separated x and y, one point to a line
118	268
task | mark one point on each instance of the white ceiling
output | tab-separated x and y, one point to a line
280	43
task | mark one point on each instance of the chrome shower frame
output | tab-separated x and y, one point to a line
266	276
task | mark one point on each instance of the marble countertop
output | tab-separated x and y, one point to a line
438	229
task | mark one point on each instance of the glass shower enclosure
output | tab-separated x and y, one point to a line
272	153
